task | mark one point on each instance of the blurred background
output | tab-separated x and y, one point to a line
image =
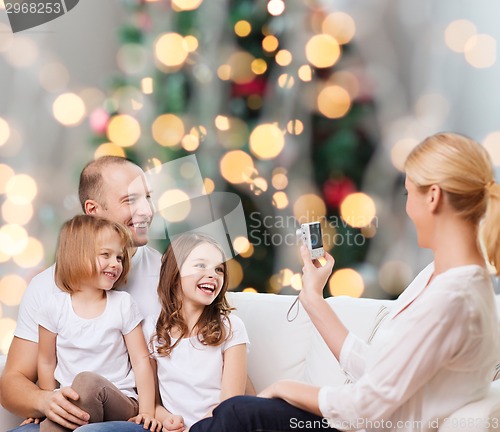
305	109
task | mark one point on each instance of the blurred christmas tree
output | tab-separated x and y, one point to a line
272	99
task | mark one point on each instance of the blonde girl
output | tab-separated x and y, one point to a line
90	337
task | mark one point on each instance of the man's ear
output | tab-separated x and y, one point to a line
91	207
435	196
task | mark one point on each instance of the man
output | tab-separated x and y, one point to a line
110	187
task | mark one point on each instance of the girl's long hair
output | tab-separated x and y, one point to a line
210	327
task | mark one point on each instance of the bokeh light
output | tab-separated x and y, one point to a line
295	127
174	205
481	51
276	7
322	51
32	255
286	81
6	173
168	130
190	142
259	185
53	76
123	130
279	180
242	28
13	239
69	109
340	26
284	57
334	101
270	43
171	50
240	64
147	85
346	282
250	290
305	73
21	189
186	5
108	149
309	208
132	58
457	34
208	185
259	66
358	210
12	288
192	43
235	272
236	165
241	245
492	145
22	52
19	214
280	200
400	152
266	141
4	131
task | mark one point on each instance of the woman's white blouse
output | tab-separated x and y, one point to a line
435	352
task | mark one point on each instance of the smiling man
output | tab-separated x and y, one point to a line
110	187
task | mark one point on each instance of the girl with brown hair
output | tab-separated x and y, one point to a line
198	348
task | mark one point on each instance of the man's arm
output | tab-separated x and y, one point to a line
22	396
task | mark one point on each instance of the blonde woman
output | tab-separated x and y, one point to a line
437	349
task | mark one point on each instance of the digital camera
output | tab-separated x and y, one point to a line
311	235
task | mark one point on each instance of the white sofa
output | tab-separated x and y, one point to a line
281	349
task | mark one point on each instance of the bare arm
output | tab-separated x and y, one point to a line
300	395
23	397
234	374
323	317
47	359
139	359
171	422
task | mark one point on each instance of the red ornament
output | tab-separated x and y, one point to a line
335	190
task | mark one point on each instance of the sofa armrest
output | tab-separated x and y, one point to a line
479	416
7	420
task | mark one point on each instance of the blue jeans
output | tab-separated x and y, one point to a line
113	426
253	414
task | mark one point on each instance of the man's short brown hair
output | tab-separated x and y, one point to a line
90	187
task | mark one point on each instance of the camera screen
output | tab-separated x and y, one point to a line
316	240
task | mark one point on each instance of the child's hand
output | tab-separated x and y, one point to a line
30	420
174	423
150	423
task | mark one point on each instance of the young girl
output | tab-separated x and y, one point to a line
87	333
199	350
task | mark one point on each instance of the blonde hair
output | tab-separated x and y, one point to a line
77	250
463	170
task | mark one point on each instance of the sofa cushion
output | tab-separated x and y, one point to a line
360	317
479	416
273	358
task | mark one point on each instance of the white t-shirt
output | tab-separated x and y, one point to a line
434	352
141	285
190	378
92	345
